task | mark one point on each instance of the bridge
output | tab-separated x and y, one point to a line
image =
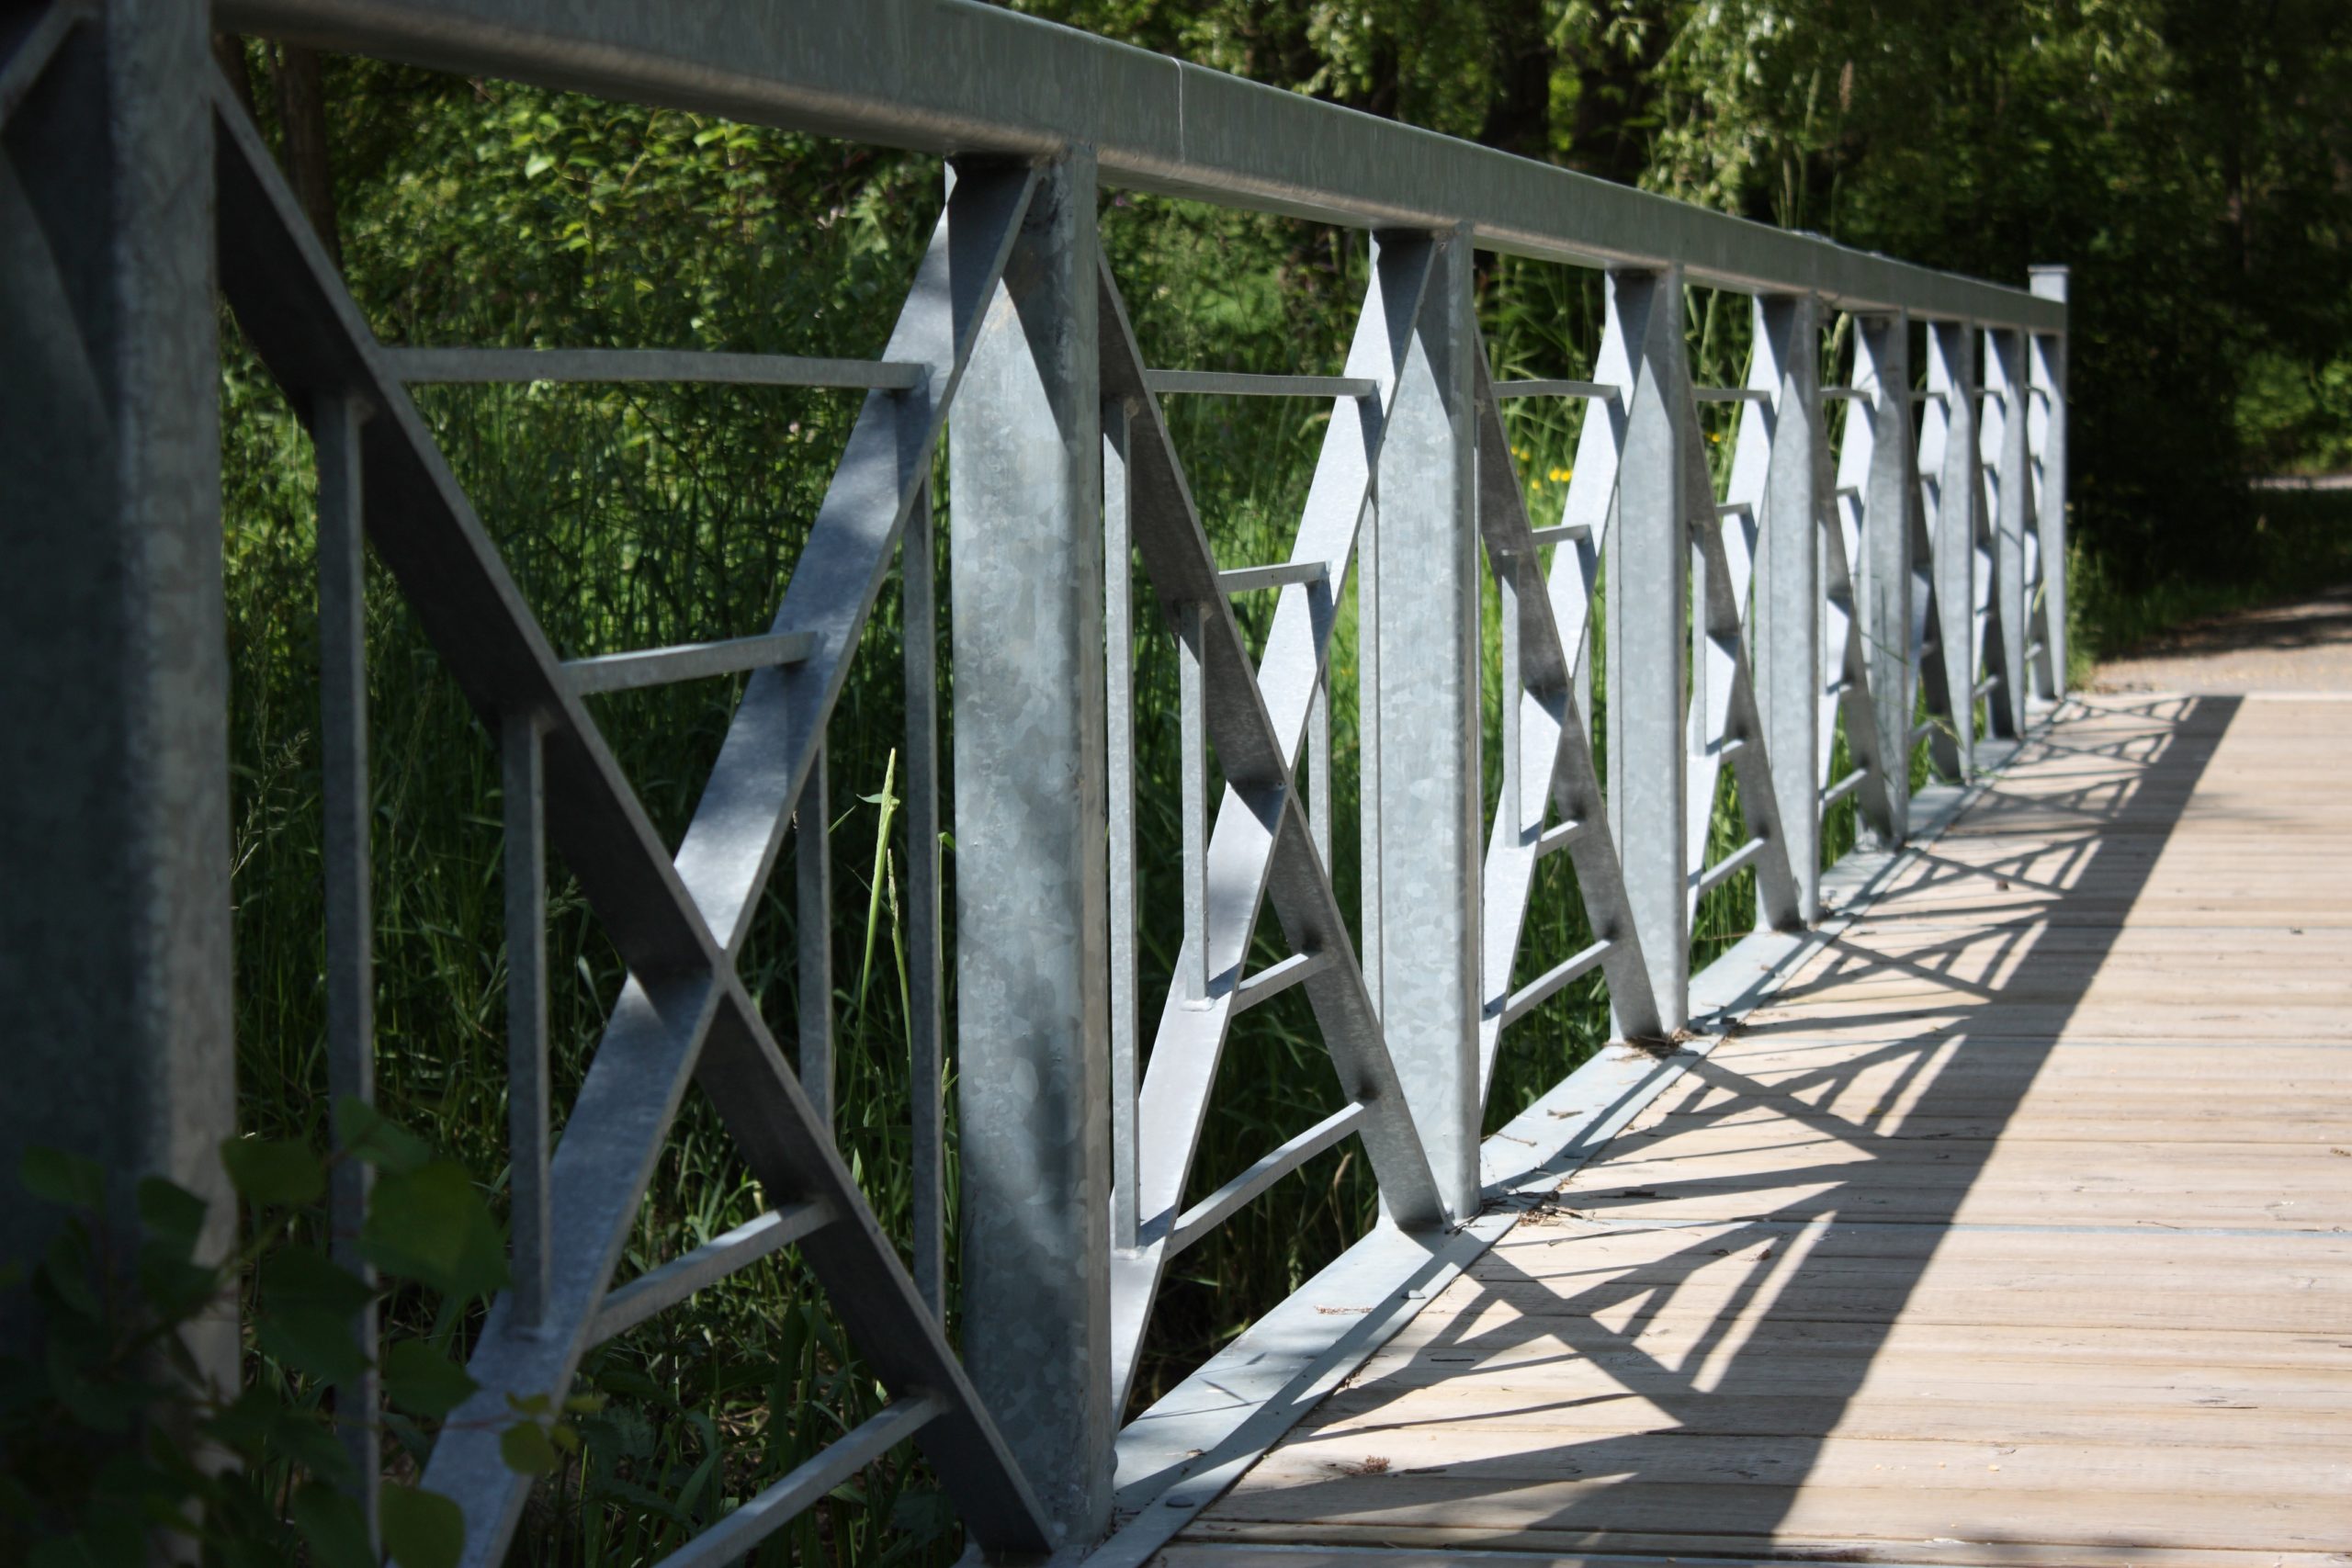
1984	1205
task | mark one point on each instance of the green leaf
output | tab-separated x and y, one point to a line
303	1276
66	1269
273	1171
314	1340
103	1404
431	1224
101	1543
526	1451
245	1426
333	1527
173	1288
421	1529
368	1135
302	1436
424	1382
171	1214
924	1511
63	1179
130	1477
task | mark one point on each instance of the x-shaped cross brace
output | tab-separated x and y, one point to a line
1547	631
684	1012
1261	846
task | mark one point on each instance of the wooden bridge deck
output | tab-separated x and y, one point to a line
2018	1230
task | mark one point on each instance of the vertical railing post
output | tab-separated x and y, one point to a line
114	782
812	881
1881	461
2046	431
1193	732
523	767
1119	685
1032	959
927	989
1430	805
1947	452
1647	587
2005	453
1786	365
346	806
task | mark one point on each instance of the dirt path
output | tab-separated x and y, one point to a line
2301	647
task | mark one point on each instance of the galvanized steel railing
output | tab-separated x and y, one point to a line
1896	584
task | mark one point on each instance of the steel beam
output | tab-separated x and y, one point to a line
812	894
1119	716
2010	505
1952	481
1430	802
1032	959
115	969
2046	428
1878	460
926	928
1786	367
480	367
529	1108
1649	589
871	70
346	805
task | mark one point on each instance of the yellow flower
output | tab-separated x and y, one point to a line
1714	436
1562	476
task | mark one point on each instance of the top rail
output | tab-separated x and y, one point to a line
871	70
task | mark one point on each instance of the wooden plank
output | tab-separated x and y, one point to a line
1490	1468
1474	1333
2092	1119
1657	1550
1796	1152
1354	1545
2017	1231
2109	1374
1550	1513
1815	1293
2023	1205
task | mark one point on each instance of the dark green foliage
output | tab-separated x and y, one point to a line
2187	158
2294	543
109	1436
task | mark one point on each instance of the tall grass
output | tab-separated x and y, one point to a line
634	517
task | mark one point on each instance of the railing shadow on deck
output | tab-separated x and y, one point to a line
1730	1381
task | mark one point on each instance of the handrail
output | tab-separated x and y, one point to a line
870	70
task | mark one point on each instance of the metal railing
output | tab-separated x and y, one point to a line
1884	590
